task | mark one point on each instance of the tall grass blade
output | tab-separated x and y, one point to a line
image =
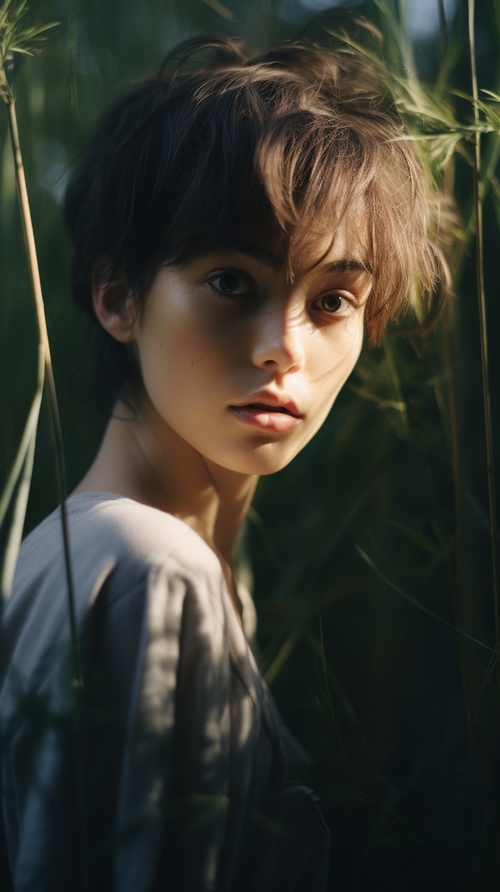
49	375
20	479
490	465
14	39
422	607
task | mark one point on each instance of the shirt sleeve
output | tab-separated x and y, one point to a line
172	791
155	741
164	651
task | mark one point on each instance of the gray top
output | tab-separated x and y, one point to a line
183	755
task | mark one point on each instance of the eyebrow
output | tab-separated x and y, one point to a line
275	261
348	264
258	252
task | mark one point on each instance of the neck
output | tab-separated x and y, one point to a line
143	459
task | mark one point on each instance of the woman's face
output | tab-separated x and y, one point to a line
242	364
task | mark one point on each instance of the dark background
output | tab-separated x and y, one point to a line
376	522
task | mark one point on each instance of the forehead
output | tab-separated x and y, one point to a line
343	247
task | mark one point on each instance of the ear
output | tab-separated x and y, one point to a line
114	305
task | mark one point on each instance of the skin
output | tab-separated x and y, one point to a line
216	339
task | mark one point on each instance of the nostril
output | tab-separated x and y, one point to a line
281	355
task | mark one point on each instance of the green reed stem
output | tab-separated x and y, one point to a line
16	490
490	466
50	390
459	592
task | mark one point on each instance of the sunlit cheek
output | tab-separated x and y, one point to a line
354	329
356	344
338	356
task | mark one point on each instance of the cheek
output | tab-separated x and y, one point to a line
192	325
182	352
337	359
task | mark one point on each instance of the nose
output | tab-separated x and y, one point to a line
279	345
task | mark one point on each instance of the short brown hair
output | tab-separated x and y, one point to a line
297	138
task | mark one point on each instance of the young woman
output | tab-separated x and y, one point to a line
239	223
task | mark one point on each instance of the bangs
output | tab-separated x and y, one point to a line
270	155
322	174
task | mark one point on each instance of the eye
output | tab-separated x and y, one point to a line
334	304
231	284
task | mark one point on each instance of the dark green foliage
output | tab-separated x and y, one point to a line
385	510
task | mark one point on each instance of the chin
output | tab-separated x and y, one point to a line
261	461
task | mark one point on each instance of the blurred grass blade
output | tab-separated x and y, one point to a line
221	9
284	652
419	605
20	479
483	327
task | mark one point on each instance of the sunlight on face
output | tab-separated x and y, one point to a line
241	363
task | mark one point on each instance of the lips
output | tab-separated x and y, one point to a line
269	412
272	402
266	408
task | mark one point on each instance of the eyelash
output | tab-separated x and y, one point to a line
251	290
349	304
228	273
